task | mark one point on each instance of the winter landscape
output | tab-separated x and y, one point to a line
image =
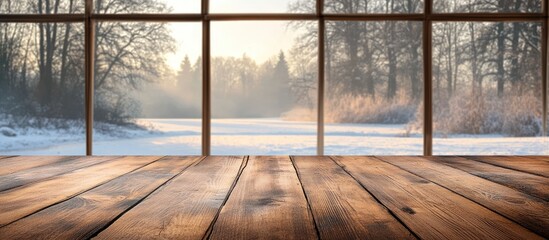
487	84
264	137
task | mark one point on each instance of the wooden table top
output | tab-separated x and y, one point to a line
274	197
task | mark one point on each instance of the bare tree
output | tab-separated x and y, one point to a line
47	58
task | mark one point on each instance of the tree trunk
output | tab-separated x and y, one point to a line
392	60
474	63
514	73
415	64
352	37
43	84
370	84
48	39
449	70
500	59
65	50
501	51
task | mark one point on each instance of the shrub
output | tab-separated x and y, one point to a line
364	109
349	108
522	117
512	115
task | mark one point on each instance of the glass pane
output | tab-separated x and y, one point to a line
374	88
148	88
373	6
488	6
147	6
262	6
42	89
264	87
41	7
487	88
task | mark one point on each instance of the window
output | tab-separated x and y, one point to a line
147	6
487	88
488	6
148	88
262	6
374	88
42	89
263	88
41	7
300	77
374	6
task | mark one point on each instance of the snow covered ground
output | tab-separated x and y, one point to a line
261	137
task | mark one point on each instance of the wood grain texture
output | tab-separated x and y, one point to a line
30	175
266	203
534	166
434	197
429	210
522	208
541	158
184	208
530	184
341	207
25	200
89	212
20	163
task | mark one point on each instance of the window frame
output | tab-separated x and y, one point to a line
89	18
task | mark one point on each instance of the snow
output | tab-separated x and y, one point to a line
259	137
8	132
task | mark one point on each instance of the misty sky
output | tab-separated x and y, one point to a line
258	39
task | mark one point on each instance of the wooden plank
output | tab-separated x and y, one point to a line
429	210
266	203
91	211
532	166
15	164
543	159
342	209
22	201
528	211
539	158
182	209
530	184
27	176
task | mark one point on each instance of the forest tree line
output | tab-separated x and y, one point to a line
241	88
42	64
486	75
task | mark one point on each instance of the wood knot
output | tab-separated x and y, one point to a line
408	210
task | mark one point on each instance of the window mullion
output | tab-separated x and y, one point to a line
427	81
321	77
206	81
89	78
545	52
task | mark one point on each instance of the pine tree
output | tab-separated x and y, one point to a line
281	78
185	73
